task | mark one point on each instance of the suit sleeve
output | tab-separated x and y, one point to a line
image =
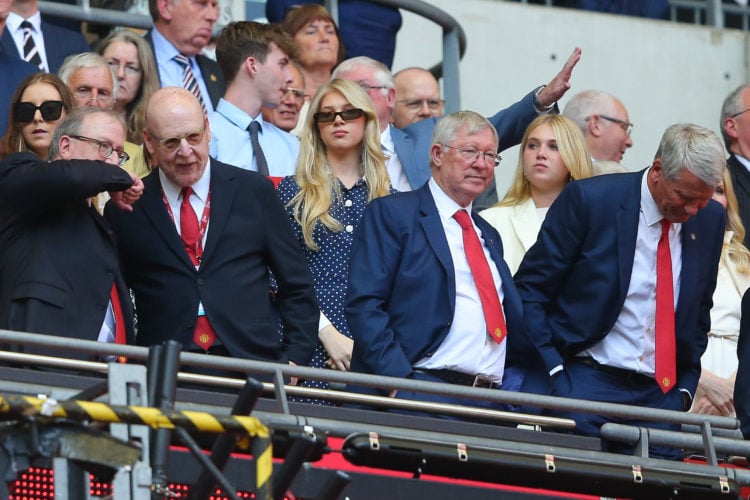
512	121
374	261
295	296
28	182
742	384
546	266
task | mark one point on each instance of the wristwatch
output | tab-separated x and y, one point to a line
537	105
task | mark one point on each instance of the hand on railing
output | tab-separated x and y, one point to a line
560	84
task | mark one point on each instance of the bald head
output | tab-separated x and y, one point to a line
417	97
177	135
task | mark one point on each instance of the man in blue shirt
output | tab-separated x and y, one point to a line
255	60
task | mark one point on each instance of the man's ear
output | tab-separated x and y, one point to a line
63	146
251	66
730	128
436	155
593	126
165	9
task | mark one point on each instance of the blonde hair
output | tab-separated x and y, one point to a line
318	186
570	144
735	249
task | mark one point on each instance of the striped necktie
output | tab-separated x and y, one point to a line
188	79
30	50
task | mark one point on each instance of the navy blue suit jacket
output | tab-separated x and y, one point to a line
742	383
412	144
13	70
574	280
59	43
248	234
402	286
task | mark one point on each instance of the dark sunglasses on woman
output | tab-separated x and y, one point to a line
24	112
347	115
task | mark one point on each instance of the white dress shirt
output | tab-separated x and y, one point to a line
396	173
467	348
13	25
631	342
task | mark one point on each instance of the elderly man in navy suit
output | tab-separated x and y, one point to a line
617	290
430	297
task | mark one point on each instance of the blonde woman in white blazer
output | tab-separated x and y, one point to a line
553	152
714	395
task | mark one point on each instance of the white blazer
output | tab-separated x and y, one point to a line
518	226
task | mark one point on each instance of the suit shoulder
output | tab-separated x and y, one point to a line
249	177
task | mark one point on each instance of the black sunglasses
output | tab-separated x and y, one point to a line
347	115
24	112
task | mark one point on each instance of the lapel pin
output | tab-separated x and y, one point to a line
213	77
692	236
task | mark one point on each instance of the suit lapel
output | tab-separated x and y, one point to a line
152	203
429	219
693	255
627	230
404	146
8	45
525	224
223	191
211	79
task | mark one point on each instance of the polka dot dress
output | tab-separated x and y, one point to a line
330	264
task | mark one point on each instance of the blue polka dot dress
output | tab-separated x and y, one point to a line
330	264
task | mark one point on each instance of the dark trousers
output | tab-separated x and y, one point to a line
583	381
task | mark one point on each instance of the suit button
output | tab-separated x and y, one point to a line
200	281
348	203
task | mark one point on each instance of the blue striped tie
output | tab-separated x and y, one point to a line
188	79
30	50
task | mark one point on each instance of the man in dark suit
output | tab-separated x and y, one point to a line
60	267
417	305
52	42
742	382
198	247
606	328
408	149
181	30
735	128
13	70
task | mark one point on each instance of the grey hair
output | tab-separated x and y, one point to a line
732	106
693	148
447	127
86	60
73	123
587	103
381	73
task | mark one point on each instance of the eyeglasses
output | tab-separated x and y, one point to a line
741	112
172	143
347	115
473	154
87	95
417	104
130	70
626	126
105	149
299	95
23	112
368	88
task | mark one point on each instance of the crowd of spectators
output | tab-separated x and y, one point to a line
366	250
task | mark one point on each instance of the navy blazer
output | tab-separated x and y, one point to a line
574	280
213	77
402	285
741	184
248	234
742	382
57	253
14	70
59	43
412	144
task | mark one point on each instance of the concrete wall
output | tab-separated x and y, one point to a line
663	72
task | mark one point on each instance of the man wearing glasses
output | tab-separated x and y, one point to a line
417	97
199	245
61	274
604	122
735	128
255	59
286	115
430	297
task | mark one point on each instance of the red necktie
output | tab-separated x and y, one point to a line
120	334
665	372
203	335
480	270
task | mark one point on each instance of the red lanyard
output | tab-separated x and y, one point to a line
203	225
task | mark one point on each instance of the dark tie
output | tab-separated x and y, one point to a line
203	335
480	270
188	79
120	335
30	50
260	158
665	371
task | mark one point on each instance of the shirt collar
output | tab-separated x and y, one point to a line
386	139
14	22
239	117
446	206
163	48
649	208
200	188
